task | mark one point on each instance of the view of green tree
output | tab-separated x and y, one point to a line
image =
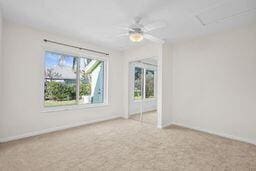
149	84
139	74
138	83
59	91
85	89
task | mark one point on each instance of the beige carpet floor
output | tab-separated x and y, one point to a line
147	117
127	145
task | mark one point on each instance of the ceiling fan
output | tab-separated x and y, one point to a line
138	31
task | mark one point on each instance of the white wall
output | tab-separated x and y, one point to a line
165	85
215	83
149	104
22	83
1	65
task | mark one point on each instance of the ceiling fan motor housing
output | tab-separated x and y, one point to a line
136	34
136	30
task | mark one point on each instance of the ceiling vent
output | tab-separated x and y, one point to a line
226	11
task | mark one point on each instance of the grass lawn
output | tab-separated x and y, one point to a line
52	103
137	97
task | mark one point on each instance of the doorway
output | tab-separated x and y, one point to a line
143	91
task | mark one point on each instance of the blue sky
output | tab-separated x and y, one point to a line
52	59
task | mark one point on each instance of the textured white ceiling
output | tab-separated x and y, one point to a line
98	21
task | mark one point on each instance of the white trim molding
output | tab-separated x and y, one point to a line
250	141
58	128
164	125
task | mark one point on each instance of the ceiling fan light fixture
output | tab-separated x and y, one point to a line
136	37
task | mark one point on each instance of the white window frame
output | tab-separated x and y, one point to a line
79	54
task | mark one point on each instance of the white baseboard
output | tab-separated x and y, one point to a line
164	125
58	128
218	134
149	110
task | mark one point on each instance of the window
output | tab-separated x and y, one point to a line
149	84
138	83
143	89
72	80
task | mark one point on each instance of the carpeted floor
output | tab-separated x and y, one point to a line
127	145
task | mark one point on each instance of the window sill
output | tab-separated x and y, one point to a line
72	107
145	100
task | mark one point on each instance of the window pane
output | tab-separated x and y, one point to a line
91	81
149	84
60	79
138	83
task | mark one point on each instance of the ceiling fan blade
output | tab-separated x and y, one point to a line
153	38
153	26
111	38
122	34
124	28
